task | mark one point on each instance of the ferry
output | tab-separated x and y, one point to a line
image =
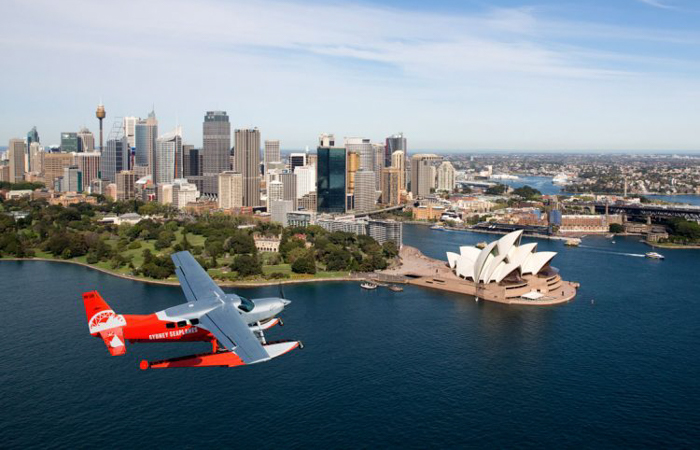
368	285
654	255
573	242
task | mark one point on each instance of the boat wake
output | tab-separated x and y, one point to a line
599	250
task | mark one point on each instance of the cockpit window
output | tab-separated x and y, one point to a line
246	305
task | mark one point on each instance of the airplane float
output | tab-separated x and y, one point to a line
232	324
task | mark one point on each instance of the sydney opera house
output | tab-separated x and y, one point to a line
504	271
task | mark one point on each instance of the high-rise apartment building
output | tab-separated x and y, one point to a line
87	140
365	191
145	136
230	193
16	153
168	157
216	149
115	158
247	163
271	153
330	176
391	186
70	142
89	166
446	177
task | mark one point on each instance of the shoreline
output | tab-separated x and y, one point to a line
673	246
239	284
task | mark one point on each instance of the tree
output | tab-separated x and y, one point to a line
305	264
240	243
498	189
247	265
390	249
527	192
338	259
616	228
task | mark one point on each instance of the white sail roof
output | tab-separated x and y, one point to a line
499	259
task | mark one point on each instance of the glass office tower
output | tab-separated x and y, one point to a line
330	179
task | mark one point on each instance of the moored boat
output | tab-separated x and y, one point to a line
395	288
368	285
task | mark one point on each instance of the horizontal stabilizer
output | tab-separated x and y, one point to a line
114	340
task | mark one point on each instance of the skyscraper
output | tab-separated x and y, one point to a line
70	142
275	191
289	187
362	147
32	137
216	149
351	167
87	140
89	166
72	180
297	160
247	163
398	161
422	174
15	152
54	163
167	159
271	153
379	163
125	185
230	193
306	180
446	177
145	136
115	158
330	176
394	143
365	191
35	158
130	130
391	186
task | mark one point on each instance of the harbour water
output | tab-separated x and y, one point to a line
618	366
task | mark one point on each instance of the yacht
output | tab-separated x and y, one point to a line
368	285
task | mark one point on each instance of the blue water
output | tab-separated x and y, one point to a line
689	199
542	184
616	367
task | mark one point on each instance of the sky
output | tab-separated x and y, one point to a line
466	75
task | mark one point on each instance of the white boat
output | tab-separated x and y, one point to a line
561	179
573	242
654	255
437	227
368	285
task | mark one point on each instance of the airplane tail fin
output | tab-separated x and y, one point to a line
104	322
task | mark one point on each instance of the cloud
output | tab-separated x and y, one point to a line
297	68
657	4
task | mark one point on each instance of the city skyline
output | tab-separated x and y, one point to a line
510	76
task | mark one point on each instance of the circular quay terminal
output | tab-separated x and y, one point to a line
504	271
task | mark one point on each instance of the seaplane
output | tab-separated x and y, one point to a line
232	324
